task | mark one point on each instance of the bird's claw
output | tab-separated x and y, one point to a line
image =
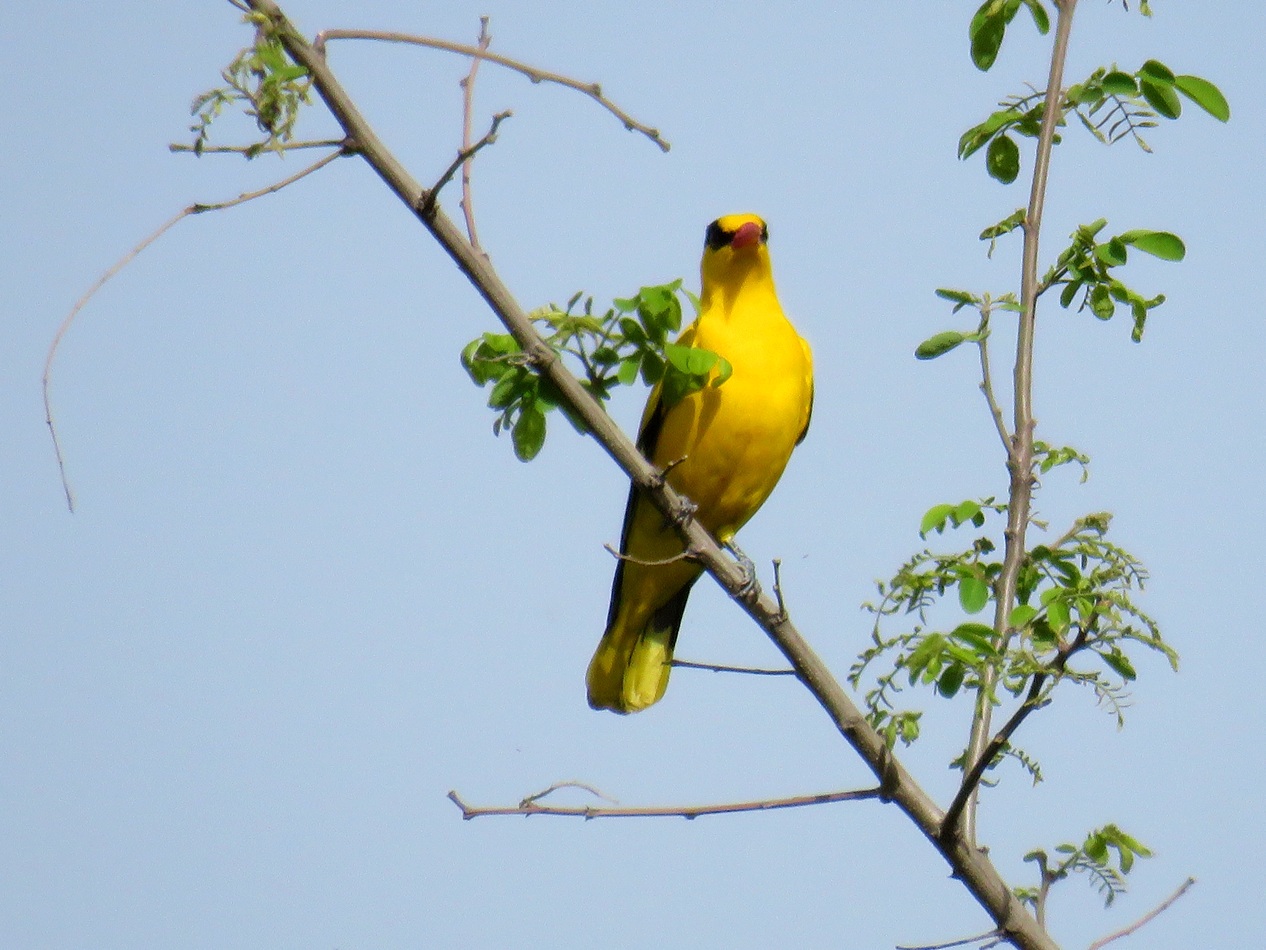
751	584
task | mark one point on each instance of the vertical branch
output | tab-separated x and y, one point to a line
1020	452
468	103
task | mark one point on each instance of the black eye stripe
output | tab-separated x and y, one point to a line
716	238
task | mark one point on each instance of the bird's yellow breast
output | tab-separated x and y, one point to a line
736	438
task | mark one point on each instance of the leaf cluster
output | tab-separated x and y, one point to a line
1084	270
1110	104
1105	857
265	82
1074	596
627	342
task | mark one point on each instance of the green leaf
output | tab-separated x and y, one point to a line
960	297
628	370
508	389
1117	83
1162	98
1162	244
690	360
938	345
1112	253
1040	18
1069	292
987	29
1002	161
724	371
1101	304
978	636
935	518
1157	72
1021	615
1121	664
973	594
951	680
632	330
625	305
968	511
529	432
1204	94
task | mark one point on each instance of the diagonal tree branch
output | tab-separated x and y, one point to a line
969	864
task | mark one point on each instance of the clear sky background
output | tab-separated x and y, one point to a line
306	591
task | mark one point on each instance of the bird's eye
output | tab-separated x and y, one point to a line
717	238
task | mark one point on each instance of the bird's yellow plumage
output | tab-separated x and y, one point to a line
730	444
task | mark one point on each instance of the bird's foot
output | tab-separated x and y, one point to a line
751	585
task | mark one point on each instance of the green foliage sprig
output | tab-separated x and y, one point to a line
615	348
1105	857
269	86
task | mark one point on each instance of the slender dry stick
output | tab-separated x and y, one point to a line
988	934
463	159
1155	912
529	806
468	105
719	668
591	89
986	374
122	263
1020	450
971	865
253	151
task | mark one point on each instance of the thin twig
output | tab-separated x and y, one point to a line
986	376
686	555
782	606
252	151
468	105
591	89
530	807
1020	449
568	784
118	266
987	935
718	668
464	156
1161	908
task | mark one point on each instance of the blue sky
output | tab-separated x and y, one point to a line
306	592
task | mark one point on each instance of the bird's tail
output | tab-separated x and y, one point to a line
630	669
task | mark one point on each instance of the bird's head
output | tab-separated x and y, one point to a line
734	251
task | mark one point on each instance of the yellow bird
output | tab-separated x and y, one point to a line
727	446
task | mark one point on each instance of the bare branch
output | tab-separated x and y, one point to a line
1155	912
686	555
252	151
118	266
987	935
717	668
529	807
986	376
591	89
1020	449
463	158
468	106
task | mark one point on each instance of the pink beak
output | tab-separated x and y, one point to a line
747	235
